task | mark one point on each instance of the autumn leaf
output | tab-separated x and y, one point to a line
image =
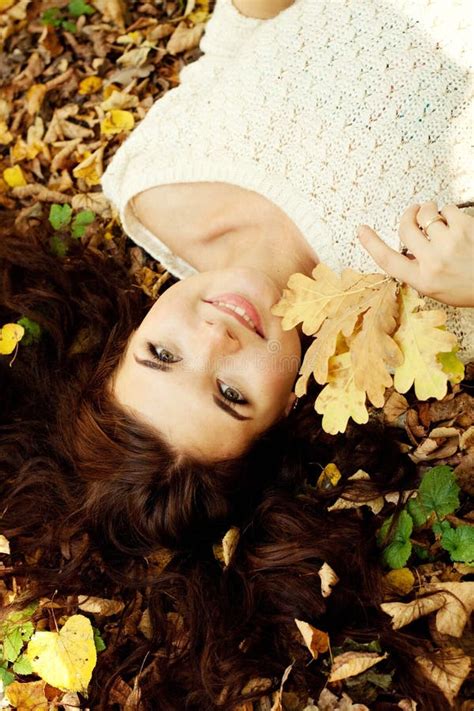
224	551
400	581
99	606
341	399
453	601
316	640
65	659
328	579
4	545
90	169
447	669
14	177
117	121
10	335
90	85
184	37
375	503
452	365
27	696
329	477
373	351
353	663
421	337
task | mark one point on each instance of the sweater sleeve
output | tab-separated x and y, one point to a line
225	33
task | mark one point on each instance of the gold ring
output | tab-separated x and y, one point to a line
424	228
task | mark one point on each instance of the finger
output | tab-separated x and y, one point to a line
453	215
410	233
387	258
427	212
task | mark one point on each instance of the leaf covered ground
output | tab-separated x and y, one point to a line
76	78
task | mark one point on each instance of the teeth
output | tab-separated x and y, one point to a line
240	311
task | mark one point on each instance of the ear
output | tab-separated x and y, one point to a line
291	401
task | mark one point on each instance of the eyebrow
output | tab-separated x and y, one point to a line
220	403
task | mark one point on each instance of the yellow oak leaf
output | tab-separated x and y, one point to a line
66	659
341	399
90	85
421	337
117	121
373	349
14	177
316	640
353	663
10	335
452	365
27	696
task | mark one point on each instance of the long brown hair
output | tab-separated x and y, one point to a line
75	468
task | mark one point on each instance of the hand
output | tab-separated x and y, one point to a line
440	265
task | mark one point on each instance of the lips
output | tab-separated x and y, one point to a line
237	301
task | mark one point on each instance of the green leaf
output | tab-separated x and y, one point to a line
459	542
422	553
52	17
58	246
417	512
12	644
76	8
59	216
32	331
23	665
452	365
69	26
80	222
439	527
98	641
397	552
6	677
439	491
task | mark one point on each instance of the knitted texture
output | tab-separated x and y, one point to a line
340	112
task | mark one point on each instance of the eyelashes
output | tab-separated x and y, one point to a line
162	356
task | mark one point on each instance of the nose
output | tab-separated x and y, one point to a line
218	337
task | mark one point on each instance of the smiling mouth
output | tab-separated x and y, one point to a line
241	309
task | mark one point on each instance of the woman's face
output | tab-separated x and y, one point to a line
208	379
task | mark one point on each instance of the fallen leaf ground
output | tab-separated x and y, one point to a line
75	80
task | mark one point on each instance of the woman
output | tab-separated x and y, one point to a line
133	483
284	137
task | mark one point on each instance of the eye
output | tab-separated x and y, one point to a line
162	354
231	394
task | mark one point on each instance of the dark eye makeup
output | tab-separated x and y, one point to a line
162	355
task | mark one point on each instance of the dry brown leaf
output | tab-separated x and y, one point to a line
316	640
407	705
4	545
466	440
394	408
224	551
134	57
34	98
100	606
447	669
459	605
277	704
97	202
376	504
256	685
28	696
330	702
328	579
454	601
70	701
112	11
184	37
353	663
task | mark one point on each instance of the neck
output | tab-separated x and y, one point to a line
264	239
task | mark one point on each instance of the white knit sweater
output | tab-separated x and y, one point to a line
341	112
